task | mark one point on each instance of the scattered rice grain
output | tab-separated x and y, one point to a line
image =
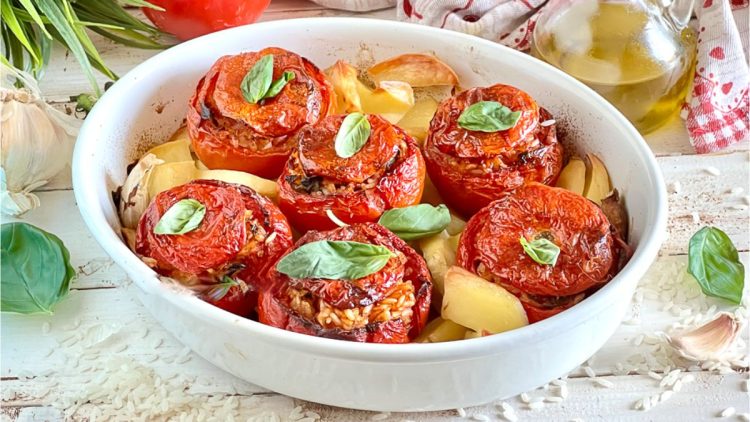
526	399
535	405
461	412
510	416
553	399
480	417
381	416
604	383
713	171
589	372
728	412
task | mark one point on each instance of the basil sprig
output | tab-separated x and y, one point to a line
488	116
219	290
36	270
182	217
352	135
258	84
335	260
714	262
416	221
541	250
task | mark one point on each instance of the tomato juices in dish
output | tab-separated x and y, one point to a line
229	249
470	168
590	251
230	132
390	305
387	172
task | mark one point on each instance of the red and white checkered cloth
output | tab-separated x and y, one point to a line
716	114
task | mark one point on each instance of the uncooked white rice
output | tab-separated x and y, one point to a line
713	171
510	416
589	371
480	417
744	417
553	399
380	416
535	405
604	383
461	412
728	412
526	399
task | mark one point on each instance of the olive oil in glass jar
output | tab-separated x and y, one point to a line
637	54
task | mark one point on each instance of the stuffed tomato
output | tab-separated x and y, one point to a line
548	246
215	237
386	172
483	142
249	106
385	303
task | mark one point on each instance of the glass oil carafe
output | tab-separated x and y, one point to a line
638	54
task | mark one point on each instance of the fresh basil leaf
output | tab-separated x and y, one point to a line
416	221
279	84
333	259
258	80
353	135
541	250
182	217
714	262
219	290
488	116
36	270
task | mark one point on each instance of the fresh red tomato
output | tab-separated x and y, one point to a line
388	306
591	252
388	172
470	168
228	132
188	19
228	253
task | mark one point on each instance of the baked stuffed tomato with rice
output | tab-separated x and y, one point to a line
548	246
218	238
483	142
247	108
358	283
350	168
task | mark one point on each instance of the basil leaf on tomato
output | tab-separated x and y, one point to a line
258	80
416	221
182	217
334	260
715	264
36	270
352	135
488	116
279	84
541	250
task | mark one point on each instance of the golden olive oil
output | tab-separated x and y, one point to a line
633	58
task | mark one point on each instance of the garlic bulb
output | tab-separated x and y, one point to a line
708	341
36	141
134	197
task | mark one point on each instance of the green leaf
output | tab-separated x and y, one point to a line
353	135
68	34
488	116
258	80
541	250
417	221
36	270
182	217
34	15
219	290
336	260
714	262
279	84
9	19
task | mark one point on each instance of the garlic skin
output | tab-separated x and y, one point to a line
708	341
36	142
134	198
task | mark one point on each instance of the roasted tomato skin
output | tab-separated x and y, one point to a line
232	240
390	156
228	132
275	308
590	251
470	169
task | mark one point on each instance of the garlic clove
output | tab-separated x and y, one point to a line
134	192
708	341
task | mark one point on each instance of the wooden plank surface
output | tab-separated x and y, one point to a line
37	373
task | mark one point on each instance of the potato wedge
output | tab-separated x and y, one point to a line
173	151
391	99
439	252
430	194
343	77
573	176
440	330
480	305
415	69
455	227
598	185
263	186
416	122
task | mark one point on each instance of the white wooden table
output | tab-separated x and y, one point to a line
40	369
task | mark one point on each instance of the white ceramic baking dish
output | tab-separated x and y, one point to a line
149	103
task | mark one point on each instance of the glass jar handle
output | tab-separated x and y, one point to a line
678	13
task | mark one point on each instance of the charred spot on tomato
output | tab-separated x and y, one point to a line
386	172
472	168
230	242
590	252
388	306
